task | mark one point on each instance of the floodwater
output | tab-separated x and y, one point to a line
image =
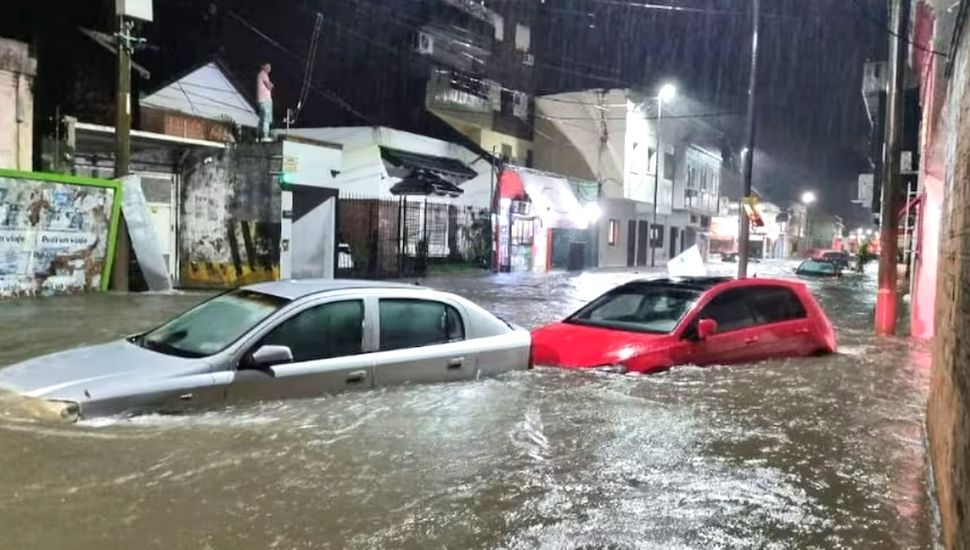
810	453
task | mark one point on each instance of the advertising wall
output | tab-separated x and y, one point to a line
57	233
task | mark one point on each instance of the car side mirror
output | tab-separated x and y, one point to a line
706	328
267	356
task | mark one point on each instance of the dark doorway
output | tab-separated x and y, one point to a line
631	243
674	232
642	243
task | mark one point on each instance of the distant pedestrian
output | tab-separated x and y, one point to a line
264	96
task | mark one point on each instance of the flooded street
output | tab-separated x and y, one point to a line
810	453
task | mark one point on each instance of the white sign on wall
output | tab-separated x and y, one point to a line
136	9
865	192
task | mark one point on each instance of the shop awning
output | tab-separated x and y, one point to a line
552	197
422	183
442	166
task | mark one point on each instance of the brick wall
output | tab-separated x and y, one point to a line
948	413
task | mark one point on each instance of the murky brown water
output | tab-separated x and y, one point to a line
815	453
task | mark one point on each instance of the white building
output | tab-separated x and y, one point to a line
17	70
377	158
657	196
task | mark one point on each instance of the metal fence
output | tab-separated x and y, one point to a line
407	236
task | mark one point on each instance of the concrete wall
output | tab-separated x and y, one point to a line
229	227
17	70
948	414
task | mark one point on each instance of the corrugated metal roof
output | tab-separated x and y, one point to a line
205	92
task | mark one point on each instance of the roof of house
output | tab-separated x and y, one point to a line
206	92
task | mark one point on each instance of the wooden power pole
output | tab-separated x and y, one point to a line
887	299
119	275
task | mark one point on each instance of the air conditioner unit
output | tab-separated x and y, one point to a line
529	59
425	43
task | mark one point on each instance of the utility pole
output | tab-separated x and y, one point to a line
119	275
748	160
886	297
656	182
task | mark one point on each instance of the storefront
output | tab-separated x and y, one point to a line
542	224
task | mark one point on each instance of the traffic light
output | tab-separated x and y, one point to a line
286	180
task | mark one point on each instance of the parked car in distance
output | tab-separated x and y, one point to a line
814	267
837	256
272	341
652	325
729	257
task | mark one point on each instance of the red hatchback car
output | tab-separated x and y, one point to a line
652	325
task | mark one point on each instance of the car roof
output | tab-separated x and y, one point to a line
690	283
703	284
294	289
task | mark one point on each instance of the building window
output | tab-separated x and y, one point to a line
508	102
523	232
506	152
657	236
499	23
651	160
614	234
523	38
668	166
704	176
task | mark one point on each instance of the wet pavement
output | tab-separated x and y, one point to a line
809	453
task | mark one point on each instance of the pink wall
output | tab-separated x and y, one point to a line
923	300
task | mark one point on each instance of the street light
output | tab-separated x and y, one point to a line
808	197
667	92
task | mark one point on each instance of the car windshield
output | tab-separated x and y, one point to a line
641	308
817	267
212	326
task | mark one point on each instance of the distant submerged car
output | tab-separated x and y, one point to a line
814	267
272	341
836	256
652	325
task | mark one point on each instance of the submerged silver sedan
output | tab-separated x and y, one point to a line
272	341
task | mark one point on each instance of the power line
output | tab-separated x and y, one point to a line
308	68
316	88
911	41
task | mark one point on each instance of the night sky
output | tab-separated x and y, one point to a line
812	125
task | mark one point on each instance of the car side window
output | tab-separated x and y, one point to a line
730	310
330	330
407	323
776	304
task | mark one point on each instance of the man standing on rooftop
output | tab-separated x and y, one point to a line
264	96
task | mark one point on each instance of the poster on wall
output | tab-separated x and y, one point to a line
56	233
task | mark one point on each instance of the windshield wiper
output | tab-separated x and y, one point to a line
167	349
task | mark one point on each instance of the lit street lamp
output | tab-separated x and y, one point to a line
667	92
808	197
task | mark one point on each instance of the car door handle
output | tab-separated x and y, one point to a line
751	340
356	377
802	331
456	363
